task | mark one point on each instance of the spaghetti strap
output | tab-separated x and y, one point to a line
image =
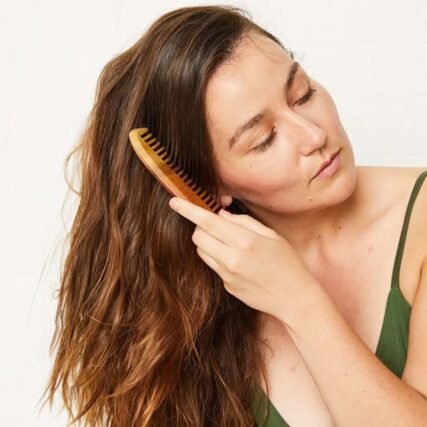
392	346
403	233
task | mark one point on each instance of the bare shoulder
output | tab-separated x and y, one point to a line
404	179
394	175
394	186
385	190
394	182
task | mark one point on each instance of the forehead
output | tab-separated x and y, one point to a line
241	87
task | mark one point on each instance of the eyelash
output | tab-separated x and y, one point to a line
264	145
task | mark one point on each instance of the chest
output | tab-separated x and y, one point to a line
358	282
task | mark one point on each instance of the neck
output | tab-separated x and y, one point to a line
322	229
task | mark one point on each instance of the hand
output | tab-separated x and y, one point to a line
256	264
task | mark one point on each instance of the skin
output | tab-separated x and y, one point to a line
253	256
261	269
276	184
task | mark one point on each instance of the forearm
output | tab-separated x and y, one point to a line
357	387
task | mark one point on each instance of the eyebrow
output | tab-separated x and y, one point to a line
258	117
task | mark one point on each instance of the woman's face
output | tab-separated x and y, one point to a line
276	176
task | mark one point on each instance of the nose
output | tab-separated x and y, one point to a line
303	132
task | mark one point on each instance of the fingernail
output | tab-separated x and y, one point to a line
174	203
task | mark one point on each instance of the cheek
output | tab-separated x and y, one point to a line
276	187
261	175
261	182
276	167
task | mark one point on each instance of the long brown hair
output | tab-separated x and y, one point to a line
146	334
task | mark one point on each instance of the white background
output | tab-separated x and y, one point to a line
371	56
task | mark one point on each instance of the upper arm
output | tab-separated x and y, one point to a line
415	372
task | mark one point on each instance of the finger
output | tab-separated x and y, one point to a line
209	261
225	231
248	222
211	246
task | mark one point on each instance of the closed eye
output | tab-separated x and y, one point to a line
307	95
269	140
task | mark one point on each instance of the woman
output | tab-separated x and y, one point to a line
184	317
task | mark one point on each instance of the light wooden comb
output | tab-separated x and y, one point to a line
153	155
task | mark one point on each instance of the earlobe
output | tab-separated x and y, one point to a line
226	201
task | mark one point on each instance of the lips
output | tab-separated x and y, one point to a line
327	162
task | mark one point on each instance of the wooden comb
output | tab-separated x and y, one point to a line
154	156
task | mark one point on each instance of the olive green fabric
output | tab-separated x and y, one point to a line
393	341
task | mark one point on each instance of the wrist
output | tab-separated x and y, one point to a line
303	306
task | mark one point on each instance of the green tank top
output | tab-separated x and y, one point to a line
393	341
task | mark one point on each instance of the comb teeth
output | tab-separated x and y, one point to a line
154	156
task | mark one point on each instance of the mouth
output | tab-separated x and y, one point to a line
326	163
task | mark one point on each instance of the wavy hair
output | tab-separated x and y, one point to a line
145	333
